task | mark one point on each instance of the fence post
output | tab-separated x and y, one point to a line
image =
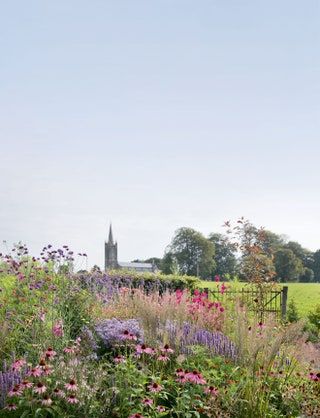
284	302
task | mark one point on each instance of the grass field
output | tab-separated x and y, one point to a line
305	295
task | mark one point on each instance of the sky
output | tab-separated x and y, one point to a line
155	115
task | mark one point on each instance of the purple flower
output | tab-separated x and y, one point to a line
114	331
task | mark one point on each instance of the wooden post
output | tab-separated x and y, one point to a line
284	302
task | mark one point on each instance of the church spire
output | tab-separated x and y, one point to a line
110	235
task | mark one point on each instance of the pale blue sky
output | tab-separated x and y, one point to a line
155	115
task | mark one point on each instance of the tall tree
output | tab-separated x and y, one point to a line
225	259
288	266
193	252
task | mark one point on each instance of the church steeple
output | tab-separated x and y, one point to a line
110	241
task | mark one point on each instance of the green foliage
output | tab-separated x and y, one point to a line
193	252
292	311
224	257
288	266
314	317
307	276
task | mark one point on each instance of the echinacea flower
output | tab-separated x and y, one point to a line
137	415
17	365
40	388
119	359
147	401
46	401
69	350
72	399
166	349
50	353
155	387
161	408
11	407
57	329
128	335
163	358
211	390
35	372
195	377
72	386
15	391
26	384
58	392
47	370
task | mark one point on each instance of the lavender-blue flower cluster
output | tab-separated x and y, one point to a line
9	378
112	331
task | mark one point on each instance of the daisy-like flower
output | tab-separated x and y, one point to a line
137	415
58	392
119	359
35	372
18	364
155	387
161	408
143	349
128	336
15	391
72	386
147	401
11	407
72	399
47	370
46	401
69	350
26	384
50	353
163	358
211	390
40	388
195	377
166	349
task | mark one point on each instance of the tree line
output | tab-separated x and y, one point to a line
237	252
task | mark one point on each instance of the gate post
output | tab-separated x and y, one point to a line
284	302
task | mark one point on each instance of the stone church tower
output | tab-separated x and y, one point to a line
110	253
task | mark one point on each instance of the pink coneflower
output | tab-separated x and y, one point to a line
40	388
47	370
69	350
72	399
180	373
11	407
58	392
143	349
166	349
211	390
46	401
57	329
154	387
17	365
128	336
15	391
26	384
147	401
72	385
161	408
50	353
163	358
137	415
195	377
35	372
119	359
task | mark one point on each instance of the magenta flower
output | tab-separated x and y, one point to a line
195	377
137	415
155	387
18	364
72	399
50	353
15	391
163	358
40	388
128	336
72	386
69	350
211	390
143	349
58	392
11	407
57	329
166	349
26	384
119	359
147	401
161	408
35	372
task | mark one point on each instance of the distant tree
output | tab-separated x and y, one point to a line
303	254
167	263
272	242
193	252
288	266
307	275
316	265
225	259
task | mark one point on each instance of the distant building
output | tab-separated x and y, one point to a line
111	258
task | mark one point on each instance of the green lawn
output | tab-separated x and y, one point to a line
305	295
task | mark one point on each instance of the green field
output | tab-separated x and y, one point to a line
305	295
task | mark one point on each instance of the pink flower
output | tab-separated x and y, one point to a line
141	349
17	365
50	353
72	399
69	350
161	408
11	407
46	401
223	288
128	336
180	373
47	370
195	377
72	386
167	349
15	391
26	384
211	390
40	388
154	387
147	401
137	415
119	359
217	278
42	316
163	358
57	329
58	392
35	372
